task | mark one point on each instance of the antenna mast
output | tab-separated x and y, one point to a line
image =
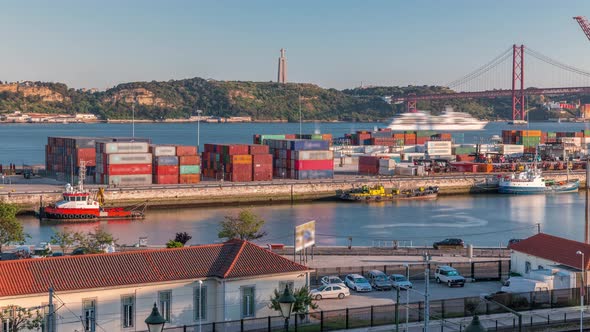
82	175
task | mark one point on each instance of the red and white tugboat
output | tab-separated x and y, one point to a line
79	205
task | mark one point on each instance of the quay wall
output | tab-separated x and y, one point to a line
222	193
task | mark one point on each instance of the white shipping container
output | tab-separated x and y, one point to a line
386	171
577	141
125	147
412	156
314	155
388	163
129	158
163	150
585	140
129	180
410	148
439	151
511	149
405	171
438	144
375	149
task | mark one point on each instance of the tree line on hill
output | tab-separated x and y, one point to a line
180	99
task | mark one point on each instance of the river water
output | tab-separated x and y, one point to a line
482	220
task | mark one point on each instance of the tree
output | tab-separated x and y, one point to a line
20	318
95	241
66	239
245	226
11	230
303	300
174	244
182	237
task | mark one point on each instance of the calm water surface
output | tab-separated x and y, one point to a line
482	220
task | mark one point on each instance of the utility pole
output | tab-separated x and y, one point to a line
50	315
427	293
538	228
397	310
586	227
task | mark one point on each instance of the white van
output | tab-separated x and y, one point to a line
523	285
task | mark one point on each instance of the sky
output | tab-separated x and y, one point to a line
335	44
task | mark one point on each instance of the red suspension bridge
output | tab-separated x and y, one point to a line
489	80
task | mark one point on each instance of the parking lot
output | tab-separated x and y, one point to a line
437	292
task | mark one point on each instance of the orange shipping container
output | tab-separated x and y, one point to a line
189	178
241	159
189	160
185	150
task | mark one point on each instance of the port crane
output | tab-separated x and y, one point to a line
584	24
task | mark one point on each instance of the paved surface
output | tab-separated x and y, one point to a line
437	292
345	261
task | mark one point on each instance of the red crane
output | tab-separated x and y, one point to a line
583	22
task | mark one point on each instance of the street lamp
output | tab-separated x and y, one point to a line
582	289
155	322
475	325
199	112
286	301
200	301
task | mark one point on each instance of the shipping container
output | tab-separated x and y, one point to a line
189	178
185	150
122	147
128	169
189	160
166	179
128	158
313	155
166	170
163	150
166	161
189	169
128	180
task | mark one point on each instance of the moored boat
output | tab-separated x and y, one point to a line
531	181
378	193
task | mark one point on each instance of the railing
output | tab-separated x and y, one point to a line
449	314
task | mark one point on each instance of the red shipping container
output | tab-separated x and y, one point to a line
166	179
262	159
185	150
189	178
86	154
128	169
290	136
257	149
305	165
262	173
189	160
166	170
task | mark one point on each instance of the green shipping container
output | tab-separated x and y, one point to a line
190	169
263	138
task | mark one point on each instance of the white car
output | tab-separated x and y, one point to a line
358	283
334	280
400	281
329	291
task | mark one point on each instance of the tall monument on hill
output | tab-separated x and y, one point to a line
282	75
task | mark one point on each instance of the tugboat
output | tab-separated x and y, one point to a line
531	181
79	205
378	193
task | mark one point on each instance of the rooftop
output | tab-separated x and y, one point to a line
557	249
232	259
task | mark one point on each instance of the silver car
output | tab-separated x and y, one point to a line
334	280
400	281
329	291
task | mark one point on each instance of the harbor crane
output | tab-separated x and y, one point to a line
583	22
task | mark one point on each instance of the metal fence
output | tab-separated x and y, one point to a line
442	312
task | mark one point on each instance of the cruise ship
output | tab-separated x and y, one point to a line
448	120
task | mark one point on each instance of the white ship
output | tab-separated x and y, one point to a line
448	120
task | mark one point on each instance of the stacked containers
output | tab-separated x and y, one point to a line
261	162
302	159
165	164
189	164
369	165
123	163
231	162
530	139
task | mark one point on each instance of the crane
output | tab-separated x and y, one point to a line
583	22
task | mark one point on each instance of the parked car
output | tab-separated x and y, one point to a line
400	281
80	251
332	280
330	291
448	275
43	249
379	280
449	244
358	283
57	254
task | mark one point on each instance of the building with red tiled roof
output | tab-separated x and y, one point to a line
550	258
116	291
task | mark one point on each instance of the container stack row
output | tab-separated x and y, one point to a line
386	137
123	163
302	159
189	164
165	164
237	162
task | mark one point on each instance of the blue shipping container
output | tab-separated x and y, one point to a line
166	160
298	145
310	175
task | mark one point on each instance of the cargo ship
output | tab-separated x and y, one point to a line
448	120
531	181
79	205
378	193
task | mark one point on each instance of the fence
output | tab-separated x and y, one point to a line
477	271
440	312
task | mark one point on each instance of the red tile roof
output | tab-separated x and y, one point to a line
553	248
232	259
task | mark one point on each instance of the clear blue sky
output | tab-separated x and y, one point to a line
330	43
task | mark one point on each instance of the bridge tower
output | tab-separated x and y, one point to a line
518	106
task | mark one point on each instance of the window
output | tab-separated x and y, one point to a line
89	314
248	308
200	303
127	307
165	299
527	267
282	285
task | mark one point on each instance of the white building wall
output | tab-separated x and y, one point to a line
518	262
109	307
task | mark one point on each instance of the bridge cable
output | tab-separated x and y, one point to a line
481	69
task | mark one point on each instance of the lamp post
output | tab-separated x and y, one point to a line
155	322
582	290
475	325
200	301
407	266
199	112
286	301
